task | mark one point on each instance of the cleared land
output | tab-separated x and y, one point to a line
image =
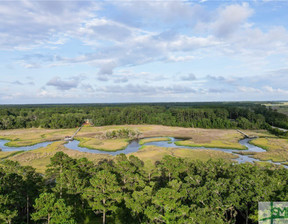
144	141
277	149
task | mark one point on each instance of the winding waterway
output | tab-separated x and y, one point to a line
5	148
134	146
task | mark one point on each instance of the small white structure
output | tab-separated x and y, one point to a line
68	138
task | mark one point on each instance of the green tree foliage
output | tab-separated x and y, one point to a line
19	186
104	193
123	190
202	115
54	211
122	133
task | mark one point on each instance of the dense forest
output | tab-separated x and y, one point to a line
123	191
202	115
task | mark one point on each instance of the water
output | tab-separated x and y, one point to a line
134	146
21	148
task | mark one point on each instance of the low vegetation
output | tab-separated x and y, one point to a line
225	141
147	140
32	136
154	153
103	144
277	149
212	144
40	158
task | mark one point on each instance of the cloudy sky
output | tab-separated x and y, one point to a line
142	51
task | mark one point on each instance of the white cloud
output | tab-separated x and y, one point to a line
28	24
60	84
249	89
230	18
270	89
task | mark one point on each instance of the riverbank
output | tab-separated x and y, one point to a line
91	138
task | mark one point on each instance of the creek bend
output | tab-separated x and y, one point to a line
134	146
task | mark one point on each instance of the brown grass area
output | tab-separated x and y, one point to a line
199	135
259	133
147	140
5	154
40	158
30	136
155	153
221	138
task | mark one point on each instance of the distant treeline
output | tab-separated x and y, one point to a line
124	191
201	115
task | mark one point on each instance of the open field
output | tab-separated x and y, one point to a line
144	141
223	144
155	153
25	137
32	136
259	133
6	155
277	149
92	137
276	104
228	140
103	144
40	158
280	107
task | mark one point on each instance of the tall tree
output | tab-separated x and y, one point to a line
54	211
104	193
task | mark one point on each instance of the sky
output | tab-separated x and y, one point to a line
118	51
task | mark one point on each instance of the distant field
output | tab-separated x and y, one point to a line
276	104
283	110
280	107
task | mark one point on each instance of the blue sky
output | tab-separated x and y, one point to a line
142	51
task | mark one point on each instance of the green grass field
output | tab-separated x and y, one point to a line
277	149
103	144
144	141
151	154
